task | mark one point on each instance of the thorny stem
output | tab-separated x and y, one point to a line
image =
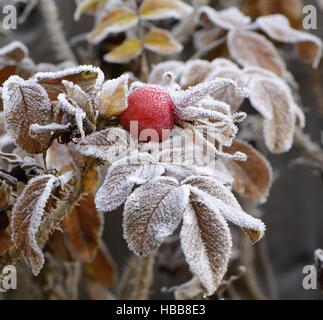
55	30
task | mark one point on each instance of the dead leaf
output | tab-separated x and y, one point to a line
125	52
252	49
152	213
278	28
88	6
29	99
113	97
164	9
116	20
161	41
5	241
194	72
252	178
83	227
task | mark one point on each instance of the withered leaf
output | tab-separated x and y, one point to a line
252	178
5	241
107	145
14	51
274	101
28	214
122	177
194	72
152	213
206	244
249	48
102	270
83	228
26	103
88	6
219	198
116	20
113	97
278	28
228	94
161	41
125	52
227	19
158	71
163	9
88	78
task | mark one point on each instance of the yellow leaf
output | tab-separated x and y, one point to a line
88	6
113	98
116	20
162	42
125	52
163	9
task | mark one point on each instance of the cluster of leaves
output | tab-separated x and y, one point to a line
121	17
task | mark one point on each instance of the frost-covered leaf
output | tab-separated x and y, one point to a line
252	49
70	107
278	28
113	97
117	20
158	71
82	99
206	244
152	213
15	51
194	72
83	229
253	177
108	145
161	41
227	19
125	52
274	101
119	180
228	94
102	270
26	103
163	9
220	199
206	37
88	6
28	214
219	63
88	78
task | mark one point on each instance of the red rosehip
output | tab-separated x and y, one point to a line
152	107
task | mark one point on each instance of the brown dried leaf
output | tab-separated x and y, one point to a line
274	101
88	78
26	103
278	28
5	241
194	72
162	41
125	52
89	6
252	49
117	20
152	213
158	71
102	270
227	19
164	9
83	228
28	214
108	145
252	178
228	94
14	51
206	243
113	97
